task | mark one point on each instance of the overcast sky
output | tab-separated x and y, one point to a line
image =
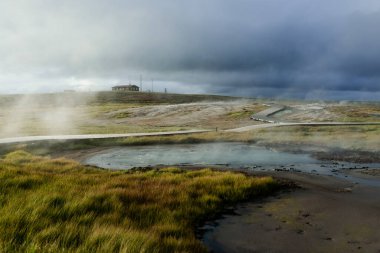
277	48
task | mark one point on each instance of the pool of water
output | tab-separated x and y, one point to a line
233	155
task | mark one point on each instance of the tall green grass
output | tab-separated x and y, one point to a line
57	205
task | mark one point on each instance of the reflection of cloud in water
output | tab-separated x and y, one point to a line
216	153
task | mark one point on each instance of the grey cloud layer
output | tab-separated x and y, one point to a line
242	46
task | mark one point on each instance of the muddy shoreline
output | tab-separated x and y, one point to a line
321	153
318	214
356	156
324	215
324	153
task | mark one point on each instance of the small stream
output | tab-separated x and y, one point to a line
230	154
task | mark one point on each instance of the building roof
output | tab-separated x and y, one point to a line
126	86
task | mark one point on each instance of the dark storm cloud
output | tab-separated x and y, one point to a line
245	47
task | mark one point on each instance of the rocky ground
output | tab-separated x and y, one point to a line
202	114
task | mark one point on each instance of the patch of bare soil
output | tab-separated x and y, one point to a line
78	155
355	156
309	112
327	215
202	114
325	153
371	172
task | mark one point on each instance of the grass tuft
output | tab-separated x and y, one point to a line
57	205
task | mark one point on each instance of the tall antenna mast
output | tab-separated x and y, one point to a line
152	84
141	87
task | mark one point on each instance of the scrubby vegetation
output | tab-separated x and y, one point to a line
357	112
111	97
350	138
57	205
353	138
247	111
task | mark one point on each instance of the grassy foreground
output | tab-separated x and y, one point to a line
61	206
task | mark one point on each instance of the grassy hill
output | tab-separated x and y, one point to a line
87	112
104	97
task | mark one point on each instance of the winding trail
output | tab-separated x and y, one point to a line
280	124
263	116
236	130
92	136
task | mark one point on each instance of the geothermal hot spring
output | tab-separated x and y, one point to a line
227	155
230	155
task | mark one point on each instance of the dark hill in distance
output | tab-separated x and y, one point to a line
103	97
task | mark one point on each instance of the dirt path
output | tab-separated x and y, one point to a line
268	125
92	136
241	129
182	112
265	116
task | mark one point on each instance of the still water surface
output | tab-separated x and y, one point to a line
231	155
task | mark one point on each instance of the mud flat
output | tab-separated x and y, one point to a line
325	214
356	156
367	173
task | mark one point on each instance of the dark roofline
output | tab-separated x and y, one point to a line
125	86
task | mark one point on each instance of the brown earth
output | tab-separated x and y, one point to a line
223	115
326	215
